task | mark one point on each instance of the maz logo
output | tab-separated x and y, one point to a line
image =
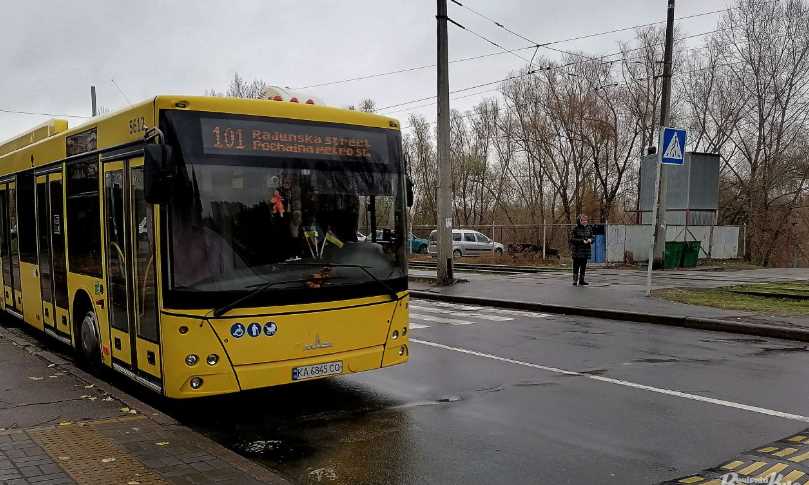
317	344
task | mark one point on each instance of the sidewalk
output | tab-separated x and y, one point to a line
59	425
620	294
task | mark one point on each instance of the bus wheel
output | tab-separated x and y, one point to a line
457	253
89	348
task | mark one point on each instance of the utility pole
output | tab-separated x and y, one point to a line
93	100
665	106
444	218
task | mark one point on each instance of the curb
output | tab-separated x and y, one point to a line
713	324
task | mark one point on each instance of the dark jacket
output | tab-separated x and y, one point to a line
578	248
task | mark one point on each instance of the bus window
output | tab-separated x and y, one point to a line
84	251
146	296
27	218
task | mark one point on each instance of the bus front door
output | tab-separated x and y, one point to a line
130	265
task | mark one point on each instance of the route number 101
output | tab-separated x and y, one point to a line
228	138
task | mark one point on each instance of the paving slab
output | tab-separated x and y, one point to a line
59	425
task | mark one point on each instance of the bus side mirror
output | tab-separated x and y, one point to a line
157	175
410	196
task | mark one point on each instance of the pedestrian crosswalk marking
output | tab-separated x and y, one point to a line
432	318
443	311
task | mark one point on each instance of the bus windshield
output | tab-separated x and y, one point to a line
241	218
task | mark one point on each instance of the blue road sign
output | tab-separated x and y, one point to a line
673	146
254	329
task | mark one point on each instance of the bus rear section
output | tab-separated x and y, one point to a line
265	281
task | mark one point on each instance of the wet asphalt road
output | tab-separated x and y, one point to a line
497	397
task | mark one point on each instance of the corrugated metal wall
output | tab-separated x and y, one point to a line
630	243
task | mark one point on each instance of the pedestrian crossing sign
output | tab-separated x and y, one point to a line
673	146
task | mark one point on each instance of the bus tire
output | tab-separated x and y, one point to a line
88	348
499	251
457	253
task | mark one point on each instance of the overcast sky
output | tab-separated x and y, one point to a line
51	52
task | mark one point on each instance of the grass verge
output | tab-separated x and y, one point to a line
772	299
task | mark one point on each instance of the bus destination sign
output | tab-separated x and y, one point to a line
262	137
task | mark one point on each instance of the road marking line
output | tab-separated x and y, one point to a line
733	465
694	479
794	476
431	318
768	449
619	382
414	326
797	438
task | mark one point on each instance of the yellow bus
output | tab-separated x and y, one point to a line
209	245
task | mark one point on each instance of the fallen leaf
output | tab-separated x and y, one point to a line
108	398
51	365
132	411
107	460
36	378
162	443
65	423
64	458
124	410
89	386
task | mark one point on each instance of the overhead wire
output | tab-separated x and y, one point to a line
533	45
56	115
530	72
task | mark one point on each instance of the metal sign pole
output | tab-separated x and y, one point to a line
658	174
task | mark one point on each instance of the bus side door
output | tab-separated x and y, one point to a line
52	266
9	251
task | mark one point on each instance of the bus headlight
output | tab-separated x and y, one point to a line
191	359
196	382
212	359
402	350
394	335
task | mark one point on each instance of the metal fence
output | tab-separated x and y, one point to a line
544	240
624	242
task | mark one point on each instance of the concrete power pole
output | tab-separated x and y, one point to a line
444	218
665	106
93	100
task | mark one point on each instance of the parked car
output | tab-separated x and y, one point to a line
417	244
466	242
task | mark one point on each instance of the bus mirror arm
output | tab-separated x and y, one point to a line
157	173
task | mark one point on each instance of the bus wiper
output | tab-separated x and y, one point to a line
218	312
390	291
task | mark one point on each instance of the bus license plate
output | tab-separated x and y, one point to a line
317	370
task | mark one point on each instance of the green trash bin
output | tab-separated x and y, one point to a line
674	254
691	253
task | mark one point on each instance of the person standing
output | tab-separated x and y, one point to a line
581	238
